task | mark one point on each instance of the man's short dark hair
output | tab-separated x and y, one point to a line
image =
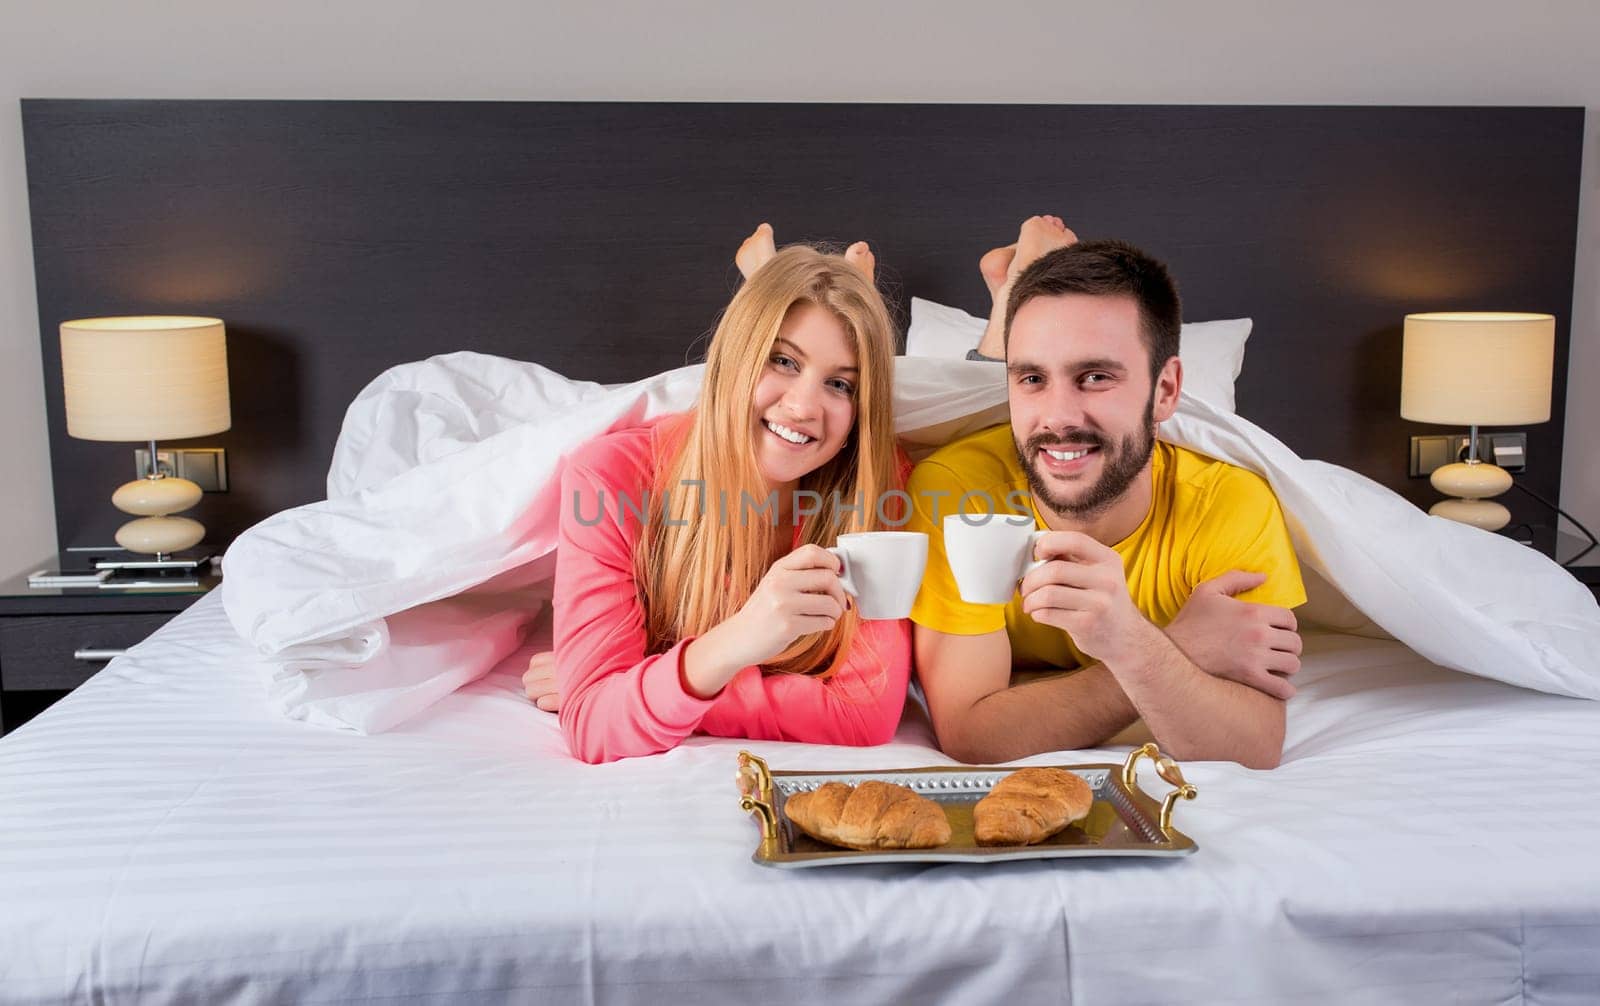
1108	269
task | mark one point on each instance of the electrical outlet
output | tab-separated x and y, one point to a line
1508	450
165	460
206	467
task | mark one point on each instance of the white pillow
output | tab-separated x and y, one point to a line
1212	351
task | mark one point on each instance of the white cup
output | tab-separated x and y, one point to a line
882	570
989	554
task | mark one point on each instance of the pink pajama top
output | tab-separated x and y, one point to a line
617	701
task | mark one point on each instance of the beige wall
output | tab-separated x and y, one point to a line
1226	51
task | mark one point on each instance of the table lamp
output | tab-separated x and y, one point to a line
1476	368
147	379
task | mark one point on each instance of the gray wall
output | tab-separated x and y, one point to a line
1227	51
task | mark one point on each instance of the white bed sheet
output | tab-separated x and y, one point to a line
165	837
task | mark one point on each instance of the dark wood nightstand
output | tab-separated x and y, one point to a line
53	640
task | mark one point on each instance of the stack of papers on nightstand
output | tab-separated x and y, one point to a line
55	579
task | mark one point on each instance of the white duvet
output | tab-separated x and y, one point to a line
429	563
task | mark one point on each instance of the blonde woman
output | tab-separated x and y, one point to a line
710	605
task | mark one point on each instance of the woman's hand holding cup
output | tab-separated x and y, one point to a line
800	594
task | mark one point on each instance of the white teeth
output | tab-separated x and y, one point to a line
1066	455
793	436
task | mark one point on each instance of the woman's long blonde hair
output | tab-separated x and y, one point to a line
698	573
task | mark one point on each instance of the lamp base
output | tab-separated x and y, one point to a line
1471	482
1487	514
160	535
153	499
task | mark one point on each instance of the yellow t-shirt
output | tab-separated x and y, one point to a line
1206	517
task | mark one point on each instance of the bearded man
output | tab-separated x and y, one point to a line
1168	576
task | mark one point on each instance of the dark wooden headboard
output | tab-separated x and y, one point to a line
339	238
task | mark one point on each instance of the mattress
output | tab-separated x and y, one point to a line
164	837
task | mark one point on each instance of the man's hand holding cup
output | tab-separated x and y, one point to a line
1080	588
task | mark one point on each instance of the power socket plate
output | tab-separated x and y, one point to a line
206	467
1508	450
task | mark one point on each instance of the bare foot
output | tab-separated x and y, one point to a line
1037	236
757	249
1001	266
996	267
860	256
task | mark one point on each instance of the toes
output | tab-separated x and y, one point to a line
763	230
1066	234
1034	225
860	255
1040	234
756	250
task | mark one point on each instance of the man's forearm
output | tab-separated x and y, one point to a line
1077	710
1193	715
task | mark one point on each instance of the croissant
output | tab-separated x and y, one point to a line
1030	805
873	815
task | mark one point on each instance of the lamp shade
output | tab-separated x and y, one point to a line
145	378
1481	368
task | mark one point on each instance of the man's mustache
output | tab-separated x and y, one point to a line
1076	440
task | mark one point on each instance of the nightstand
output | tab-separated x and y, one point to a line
53	640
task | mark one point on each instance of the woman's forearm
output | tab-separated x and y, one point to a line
711	659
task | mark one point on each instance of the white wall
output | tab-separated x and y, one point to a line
1226	51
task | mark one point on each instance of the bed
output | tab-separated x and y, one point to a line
169	837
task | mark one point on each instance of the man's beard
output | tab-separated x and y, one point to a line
1119	466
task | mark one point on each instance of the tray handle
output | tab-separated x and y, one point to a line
755	797
1168	770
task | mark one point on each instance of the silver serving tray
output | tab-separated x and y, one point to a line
1124	820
